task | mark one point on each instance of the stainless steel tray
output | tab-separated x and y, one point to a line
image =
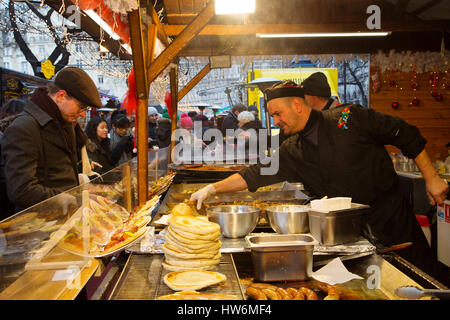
337	227
282	257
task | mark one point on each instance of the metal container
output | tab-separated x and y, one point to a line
235	221
337	227
288	218
282	256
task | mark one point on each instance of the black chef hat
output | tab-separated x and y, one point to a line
283	89
79	85
317	85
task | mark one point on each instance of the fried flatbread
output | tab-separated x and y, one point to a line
188	235
121	244
191	263
194	295
192	239
185	255
192	279
171	267
193	225
191	247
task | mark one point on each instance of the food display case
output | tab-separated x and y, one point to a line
52	249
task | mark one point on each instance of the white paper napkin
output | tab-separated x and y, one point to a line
334	272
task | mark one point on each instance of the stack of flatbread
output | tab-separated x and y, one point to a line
191	244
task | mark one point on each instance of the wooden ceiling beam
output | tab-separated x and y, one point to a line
221	30
428	5
183	18
246	46
193	82
183	39
159	26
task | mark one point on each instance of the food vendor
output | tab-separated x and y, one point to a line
318	92
340	152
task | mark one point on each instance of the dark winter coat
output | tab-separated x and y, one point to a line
98	154
39	162
229	122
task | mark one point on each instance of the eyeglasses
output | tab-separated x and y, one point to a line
81	106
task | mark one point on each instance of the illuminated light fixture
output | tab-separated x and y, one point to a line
103	49
317	35
94	16
235	6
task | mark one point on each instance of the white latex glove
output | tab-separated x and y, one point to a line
203	194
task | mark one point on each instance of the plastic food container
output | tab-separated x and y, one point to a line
282	256
337	227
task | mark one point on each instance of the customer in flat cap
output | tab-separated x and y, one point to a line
318	92
42	146
341	153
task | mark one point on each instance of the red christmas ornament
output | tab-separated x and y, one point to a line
392	83
415	86
439	97
434	94
415	101
395	105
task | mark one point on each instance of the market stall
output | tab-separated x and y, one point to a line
49	249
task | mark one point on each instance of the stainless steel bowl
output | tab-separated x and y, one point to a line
235	221
288	218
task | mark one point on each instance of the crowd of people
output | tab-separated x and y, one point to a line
42	137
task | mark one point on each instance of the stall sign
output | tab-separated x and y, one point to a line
48	69
297	75
443	233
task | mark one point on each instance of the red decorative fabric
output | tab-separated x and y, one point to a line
130	101
168	101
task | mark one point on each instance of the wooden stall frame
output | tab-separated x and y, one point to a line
144	75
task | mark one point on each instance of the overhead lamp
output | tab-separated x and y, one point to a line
317	35
235	6
94	16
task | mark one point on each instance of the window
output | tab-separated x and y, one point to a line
24	66
79	64
41	52
100	79
6	64
6	51
78	48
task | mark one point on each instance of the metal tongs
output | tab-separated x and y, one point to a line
412	292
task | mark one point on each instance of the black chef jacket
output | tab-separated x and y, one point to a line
341	152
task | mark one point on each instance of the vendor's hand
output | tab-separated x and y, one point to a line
64	201
437	190
203	194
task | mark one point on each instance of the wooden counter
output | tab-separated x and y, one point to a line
44	284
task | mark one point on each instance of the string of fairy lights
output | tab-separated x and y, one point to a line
30	25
